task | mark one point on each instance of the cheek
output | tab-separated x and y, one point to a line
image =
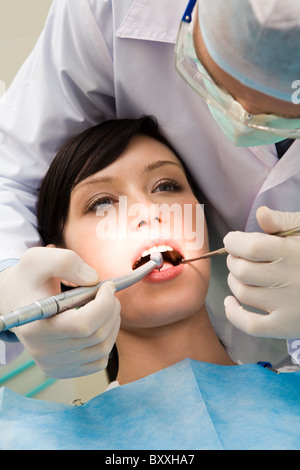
81	238
99	254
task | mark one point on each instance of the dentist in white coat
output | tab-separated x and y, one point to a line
229	112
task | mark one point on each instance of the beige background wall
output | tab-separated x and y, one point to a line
21	22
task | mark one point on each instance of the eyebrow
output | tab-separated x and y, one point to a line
110	179
95	180
159	164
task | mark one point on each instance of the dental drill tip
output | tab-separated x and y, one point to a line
158	259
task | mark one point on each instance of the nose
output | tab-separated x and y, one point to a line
145	215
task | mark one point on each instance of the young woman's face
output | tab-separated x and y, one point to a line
142	201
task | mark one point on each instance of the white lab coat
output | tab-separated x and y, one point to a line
101	59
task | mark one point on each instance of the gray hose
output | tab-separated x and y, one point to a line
50	306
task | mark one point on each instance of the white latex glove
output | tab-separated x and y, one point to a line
76	342
265	273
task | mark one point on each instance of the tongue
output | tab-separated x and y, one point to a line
166	265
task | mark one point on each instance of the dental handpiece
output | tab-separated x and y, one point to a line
77	297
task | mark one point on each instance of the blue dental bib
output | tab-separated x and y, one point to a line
190	405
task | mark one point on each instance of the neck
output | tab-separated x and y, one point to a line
142	353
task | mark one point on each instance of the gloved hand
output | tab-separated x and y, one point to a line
265	273
75	342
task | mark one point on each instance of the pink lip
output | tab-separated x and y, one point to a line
167	275
157	276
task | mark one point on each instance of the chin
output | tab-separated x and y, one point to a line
159	308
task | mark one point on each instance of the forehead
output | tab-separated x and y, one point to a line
142	156
144	149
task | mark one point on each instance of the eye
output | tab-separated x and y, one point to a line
100	202
167	185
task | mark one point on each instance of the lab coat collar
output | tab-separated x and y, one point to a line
285	168
153	20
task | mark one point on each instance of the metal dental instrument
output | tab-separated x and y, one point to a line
287	233
77	297
211	254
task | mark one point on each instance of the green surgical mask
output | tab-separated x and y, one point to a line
238	131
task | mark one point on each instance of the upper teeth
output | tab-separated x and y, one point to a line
155	249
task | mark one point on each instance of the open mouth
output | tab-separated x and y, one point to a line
169	255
